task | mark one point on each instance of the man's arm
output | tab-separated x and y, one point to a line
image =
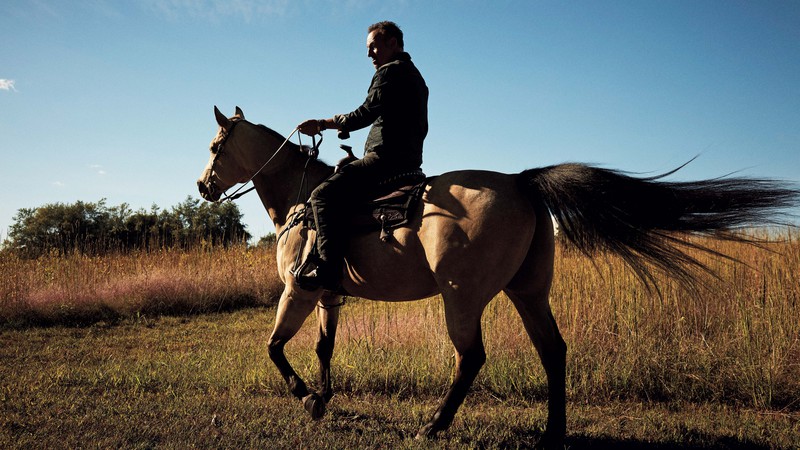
315	126
362	117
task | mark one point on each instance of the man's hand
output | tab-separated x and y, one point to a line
310	127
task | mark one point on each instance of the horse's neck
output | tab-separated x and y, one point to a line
280	192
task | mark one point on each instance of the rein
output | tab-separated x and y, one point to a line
236	194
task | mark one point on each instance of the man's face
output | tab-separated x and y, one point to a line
381	50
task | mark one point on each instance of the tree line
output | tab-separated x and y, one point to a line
96	228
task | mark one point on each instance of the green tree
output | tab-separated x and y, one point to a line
60	227
96	228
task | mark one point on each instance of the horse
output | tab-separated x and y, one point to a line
475	234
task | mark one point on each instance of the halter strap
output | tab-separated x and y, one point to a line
236	193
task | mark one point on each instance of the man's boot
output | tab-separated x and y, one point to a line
316	273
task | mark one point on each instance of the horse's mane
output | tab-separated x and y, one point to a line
270	131
294	147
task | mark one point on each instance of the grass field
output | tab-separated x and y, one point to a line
167	350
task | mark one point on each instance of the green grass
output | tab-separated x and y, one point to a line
206	382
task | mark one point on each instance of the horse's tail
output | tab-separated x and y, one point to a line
643	220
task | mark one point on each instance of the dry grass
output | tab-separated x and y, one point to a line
160	383
719	368
85	289
736	340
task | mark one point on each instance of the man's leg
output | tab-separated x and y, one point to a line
332	202
328	202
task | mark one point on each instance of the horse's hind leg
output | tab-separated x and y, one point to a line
464	327
292	312
543	331
529	290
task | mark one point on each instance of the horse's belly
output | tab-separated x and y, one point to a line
391	271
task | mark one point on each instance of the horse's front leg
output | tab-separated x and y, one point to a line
293	308
328	319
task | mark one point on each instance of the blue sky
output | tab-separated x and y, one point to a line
114	99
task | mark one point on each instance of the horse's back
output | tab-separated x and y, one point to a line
472	194
473	229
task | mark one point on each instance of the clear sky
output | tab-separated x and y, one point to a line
114	99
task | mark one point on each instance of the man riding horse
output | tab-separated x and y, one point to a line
397	108
483	232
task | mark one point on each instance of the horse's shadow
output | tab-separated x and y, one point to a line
692	440
523	438
710	442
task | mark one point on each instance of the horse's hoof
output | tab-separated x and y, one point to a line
315	406
426	432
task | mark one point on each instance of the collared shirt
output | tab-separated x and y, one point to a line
397	108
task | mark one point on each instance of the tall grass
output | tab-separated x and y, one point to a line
85	289
735	340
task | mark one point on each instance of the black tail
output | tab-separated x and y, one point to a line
644	219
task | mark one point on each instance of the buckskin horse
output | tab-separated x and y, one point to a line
475	234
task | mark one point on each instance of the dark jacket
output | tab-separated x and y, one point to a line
397	108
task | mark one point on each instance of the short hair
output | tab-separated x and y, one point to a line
387	30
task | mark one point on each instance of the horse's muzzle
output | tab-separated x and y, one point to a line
208	190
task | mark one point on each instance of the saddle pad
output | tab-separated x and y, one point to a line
386	213
393	210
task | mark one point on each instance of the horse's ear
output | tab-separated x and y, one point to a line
223	121
239	113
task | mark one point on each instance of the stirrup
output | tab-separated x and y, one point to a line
305	270
312	275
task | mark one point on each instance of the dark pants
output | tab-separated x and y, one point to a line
333	202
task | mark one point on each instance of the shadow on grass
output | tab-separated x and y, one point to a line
693	441
351	421
690	440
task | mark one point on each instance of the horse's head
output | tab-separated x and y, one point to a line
242	152
225	168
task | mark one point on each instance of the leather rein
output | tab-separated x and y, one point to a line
313	152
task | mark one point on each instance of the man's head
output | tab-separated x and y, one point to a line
384	42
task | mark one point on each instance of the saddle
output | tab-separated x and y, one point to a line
397	199
395	202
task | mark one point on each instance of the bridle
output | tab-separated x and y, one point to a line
220	147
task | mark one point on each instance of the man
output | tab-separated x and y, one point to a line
397	108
